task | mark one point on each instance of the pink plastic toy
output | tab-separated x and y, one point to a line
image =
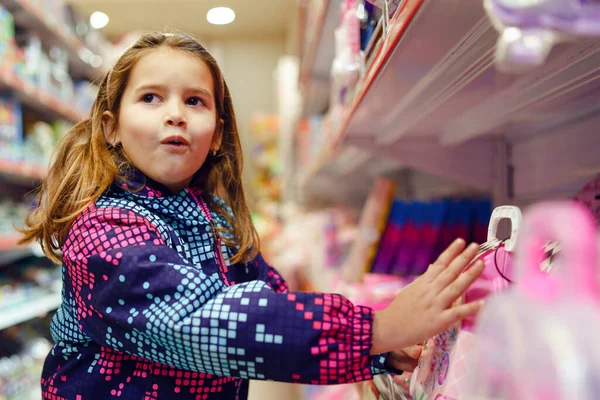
538	340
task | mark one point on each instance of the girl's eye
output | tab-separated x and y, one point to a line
194	101
149	98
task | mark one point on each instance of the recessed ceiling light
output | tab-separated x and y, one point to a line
220	15
98	20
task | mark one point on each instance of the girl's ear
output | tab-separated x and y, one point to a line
111	134
218	136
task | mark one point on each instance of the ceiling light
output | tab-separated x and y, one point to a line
220	15
99	20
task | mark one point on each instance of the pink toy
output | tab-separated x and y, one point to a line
588	196
538	340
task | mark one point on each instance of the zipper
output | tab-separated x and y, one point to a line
223	269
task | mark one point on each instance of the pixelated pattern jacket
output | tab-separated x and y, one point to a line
148	314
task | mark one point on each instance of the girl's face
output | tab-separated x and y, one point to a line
167	118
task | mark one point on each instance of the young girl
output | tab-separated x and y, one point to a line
165	292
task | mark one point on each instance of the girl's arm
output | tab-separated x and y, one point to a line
268	274
137	295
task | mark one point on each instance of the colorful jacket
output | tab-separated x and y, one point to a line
148	314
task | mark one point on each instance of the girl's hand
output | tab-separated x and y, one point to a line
425	307
404	359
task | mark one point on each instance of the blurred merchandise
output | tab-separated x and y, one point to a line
23	137
266	158
346	67
310	247
391	5
7	36
589	196
521	354
373	219
23	350
41	139
26	280
418	231
11	127
529	29
12	214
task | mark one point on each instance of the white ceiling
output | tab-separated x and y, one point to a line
254	18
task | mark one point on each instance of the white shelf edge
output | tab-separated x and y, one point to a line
464	153
18	314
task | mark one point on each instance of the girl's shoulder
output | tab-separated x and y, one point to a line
113	208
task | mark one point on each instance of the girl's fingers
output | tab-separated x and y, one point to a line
456	267
457	288
414	351
444	259
451	252
402	363
458	313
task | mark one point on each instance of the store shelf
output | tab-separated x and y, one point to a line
42	102
32	17
32	309
22	171
11	250
316	62
434	102
9	243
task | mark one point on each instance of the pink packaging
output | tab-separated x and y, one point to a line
538	340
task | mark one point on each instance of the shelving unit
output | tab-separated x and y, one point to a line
18	176
44	103
433	102
40	305
9	242
22	171
319	54
82	60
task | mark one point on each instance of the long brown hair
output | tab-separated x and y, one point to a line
86	165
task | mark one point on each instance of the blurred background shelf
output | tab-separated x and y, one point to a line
19	169
48	105
83	61
315	69
32	309
434	102
9	242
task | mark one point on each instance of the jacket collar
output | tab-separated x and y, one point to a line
135	181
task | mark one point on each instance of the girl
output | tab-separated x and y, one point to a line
165	292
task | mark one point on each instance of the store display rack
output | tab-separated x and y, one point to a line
48	106
81	59
21	171
9	242
316	62
83	63
433	101
43	103
40	305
